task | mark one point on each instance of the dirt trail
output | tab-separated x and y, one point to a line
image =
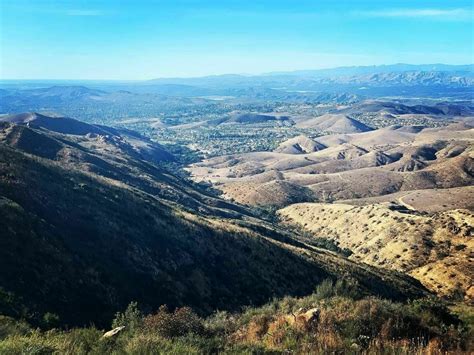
340	177
403	203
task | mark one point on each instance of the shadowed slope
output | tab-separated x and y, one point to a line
91	228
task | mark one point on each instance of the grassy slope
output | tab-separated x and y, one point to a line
435	248
82	245
344	322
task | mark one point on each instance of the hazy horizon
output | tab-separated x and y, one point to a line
229	74
142	40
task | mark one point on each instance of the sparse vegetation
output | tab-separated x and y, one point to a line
81	230
94	217
411	247
329	244
342	320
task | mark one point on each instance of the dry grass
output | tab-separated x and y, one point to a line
342	324
353	166
434	248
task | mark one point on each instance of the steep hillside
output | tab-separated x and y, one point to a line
280	192
90	224
125	141
57	124
436	249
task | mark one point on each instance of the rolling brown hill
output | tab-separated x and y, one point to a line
335	123
299	145
361	165
428	200
436	248
90	223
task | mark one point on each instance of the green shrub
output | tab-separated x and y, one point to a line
347	287
148	343
50	320
434	314
82	341
221	323
345	323
32	344
132	318
329	244
325	289
342	287
10	327
168	324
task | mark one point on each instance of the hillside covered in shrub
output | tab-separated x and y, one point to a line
92	222
335	318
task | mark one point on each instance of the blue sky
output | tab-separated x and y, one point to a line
138	39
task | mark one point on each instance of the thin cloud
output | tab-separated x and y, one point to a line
459	14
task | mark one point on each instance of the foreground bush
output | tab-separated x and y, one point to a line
168	324
341	321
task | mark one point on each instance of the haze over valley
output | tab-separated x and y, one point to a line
321	203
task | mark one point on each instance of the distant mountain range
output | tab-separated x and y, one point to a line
378	69
435	80
396	74
345	85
